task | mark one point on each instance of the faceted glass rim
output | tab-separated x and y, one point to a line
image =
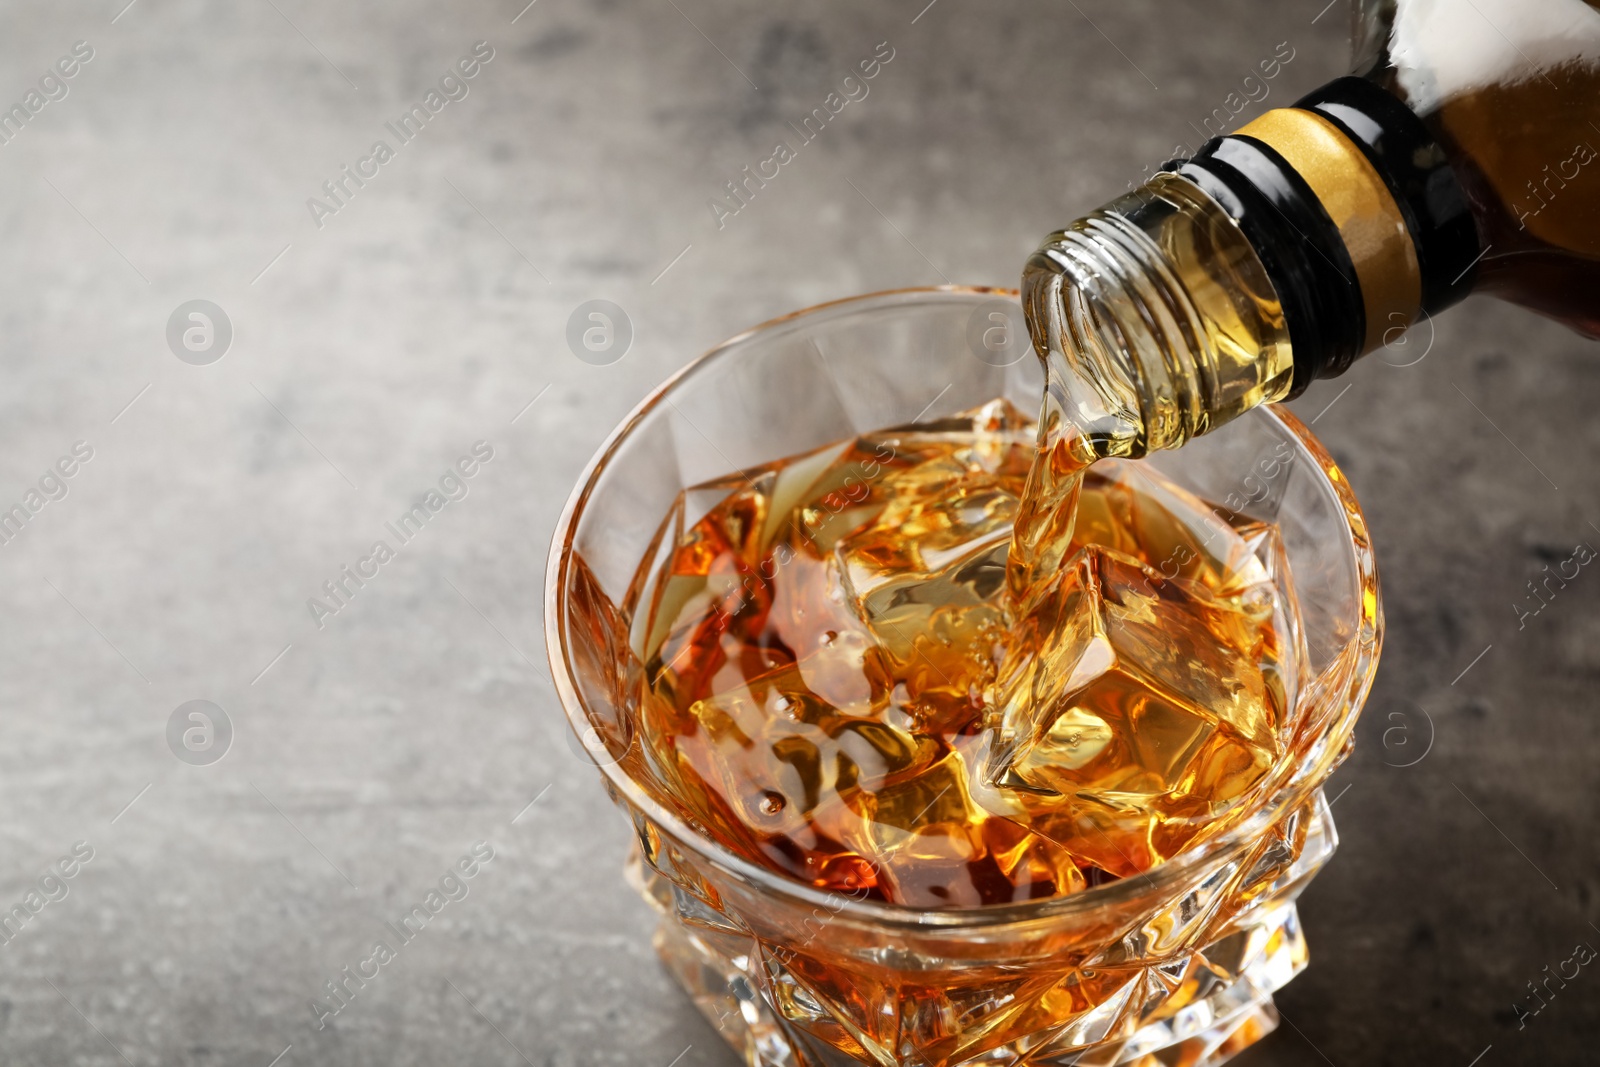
1154	884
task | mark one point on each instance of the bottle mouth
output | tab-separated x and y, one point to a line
1156	321
1069	295
1120	337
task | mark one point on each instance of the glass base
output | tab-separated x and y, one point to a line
1219	1006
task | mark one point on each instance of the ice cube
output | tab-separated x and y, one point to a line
1258	574
927	580
1140	513
1132	722
784	749
935	847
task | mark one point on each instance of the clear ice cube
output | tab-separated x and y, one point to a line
1135	726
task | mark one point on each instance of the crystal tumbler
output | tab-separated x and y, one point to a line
1175	966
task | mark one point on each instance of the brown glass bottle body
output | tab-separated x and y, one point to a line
1522	133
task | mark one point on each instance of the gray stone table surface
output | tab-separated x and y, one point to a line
376	339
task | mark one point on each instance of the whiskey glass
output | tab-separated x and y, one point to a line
1175	966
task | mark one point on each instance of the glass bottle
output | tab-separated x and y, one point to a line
1463	155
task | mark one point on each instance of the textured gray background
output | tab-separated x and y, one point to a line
424	317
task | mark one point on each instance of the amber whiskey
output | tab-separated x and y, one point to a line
949	664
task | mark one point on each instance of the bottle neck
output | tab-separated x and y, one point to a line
1275	256
1157	321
